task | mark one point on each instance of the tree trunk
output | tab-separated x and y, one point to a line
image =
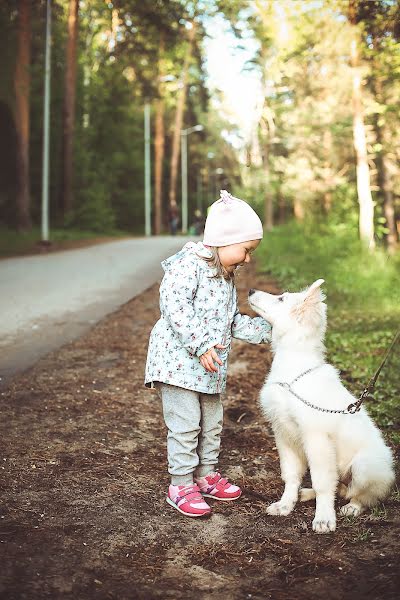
298	209
282	208
69	107
114	30
22	84
385	178
268	211
366	215
159	145
388	205
387	190
180	106
268	129
327	146
268	201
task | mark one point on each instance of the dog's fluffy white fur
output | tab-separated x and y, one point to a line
344	452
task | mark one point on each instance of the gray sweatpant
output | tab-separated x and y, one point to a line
194	422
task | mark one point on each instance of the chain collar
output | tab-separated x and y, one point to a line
355	406
351	409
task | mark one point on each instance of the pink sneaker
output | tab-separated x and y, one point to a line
188	500
216	486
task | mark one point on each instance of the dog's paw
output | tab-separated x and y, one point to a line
280	509
324	525
351	510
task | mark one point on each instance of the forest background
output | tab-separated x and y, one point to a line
322	140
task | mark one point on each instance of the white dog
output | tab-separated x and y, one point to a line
344	451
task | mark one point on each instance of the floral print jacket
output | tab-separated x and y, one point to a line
197	312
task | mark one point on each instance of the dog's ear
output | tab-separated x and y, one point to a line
313	296
314	286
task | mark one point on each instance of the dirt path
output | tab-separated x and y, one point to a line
84	477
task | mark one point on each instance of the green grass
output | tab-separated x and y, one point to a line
363	298
13	243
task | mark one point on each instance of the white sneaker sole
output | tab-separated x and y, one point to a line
221	499
172	503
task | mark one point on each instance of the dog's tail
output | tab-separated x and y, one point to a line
371	477
307	494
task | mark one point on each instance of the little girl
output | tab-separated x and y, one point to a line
189	347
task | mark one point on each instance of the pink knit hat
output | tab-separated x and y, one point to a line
231	221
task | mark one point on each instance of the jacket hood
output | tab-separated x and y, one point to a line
194	248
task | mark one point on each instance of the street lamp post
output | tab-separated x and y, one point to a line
46	119
147	170
210	156
200	191
218	172
184	161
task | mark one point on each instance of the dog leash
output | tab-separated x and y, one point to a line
353	407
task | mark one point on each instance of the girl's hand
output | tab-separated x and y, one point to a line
207	359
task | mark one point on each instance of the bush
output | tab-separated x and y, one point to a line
94	213
298	254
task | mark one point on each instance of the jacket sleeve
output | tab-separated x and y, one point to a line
255	330
177	292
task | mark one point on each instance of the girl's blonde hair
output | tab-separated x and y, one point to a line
214	262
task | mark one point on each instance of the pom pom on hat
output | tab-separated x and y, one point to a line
231	221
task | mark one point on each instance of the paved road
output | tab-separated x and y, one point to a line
46	301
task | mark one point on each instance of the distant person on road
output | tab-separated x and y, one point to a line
198	223
189	347
173	218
